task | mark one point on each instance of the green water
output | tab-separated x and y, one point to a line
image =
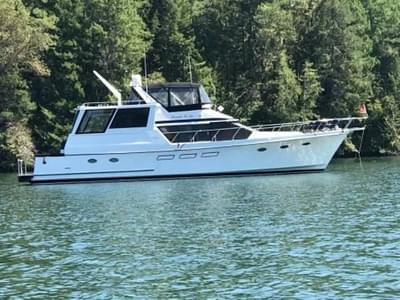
314	236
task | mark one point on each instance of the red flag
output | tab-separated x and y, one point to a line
363	109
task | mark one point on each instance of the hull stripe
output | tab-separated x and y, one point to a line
180	176
90	173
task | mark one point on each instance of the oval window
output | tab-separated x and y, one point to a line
92	160
210	154
284	146
187	156
306	143
166	157
261	149
114	160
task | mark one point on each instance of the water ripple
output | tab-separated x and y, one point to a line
322	236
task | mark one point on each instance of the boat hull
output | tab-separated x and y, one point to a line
300	154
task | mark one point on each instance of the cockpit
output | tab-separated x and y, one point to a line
178	96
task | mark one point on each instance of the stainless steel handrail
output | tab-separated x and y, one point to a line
22	167
320	124
304	126
101	104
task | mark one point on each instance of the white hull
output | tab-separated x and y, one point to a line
297	154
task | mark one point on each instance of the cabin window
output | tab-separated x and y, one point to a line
74	121
131	117
95	121
134	98
203	96
160	94
184	96
179	97
216	131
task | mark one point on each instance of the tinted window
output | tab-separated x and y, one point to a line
134	98
160	94
204	96
74	121
131	117
95	121
218	131
184	96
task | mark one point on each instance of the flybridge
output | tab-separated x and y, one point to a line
171	96
180	96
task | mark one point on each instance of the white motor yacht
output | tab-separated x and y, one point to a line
171	130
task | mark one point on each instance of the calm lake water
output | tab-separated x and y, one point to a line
328	235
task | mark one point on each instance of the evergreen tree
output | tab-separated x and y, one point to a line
278	84
384	122
311	89
173	44
285	106
103	35
225	34
24	36
340	48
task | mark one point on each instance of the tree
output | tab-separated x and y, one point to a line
225	36
173	45
340	48
311	89
103	35
383	132
24	36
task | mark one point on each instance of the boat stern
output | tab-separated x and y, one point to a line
23	174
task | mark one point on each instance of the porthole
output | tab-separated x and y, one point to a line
209	154
114	160
306	143
187	156
284	146
166	157
262	149
92	160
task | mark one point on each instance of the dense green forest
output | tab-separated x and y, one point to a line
264	61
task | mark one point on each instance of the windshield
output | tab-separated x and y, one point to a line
160	94
184	96
204	96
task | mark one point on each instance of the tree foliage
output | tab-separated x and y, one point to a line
263	60
24	36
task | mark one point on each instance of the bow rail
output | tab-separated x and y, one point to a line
315	125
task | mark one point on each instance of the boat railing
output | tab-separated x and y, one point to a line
105	104
23	174
242	132
22	167
315	125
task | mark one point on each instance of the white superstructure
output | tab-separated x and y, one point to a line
172	131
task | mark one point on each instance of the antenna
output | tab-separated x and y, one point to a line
145	72
190	69
110	87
